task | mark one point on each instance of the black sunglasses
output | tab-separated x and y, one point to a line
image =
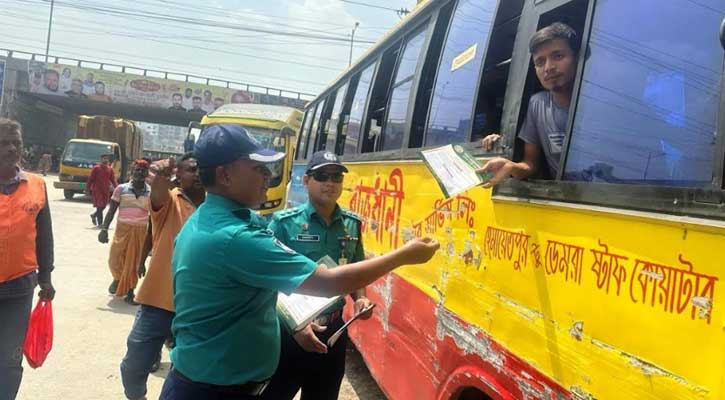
335	177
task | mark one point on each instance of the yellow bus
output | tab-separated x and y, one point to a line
602	282
274	127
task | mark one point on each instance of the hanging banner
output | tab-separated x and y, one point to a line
118	87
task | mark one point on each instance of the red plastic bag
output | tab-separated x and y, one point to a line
39	339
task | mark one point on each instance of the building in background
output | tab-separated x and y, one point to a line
162	141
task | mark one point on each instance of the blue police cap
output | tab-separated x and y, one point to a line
225	143
323	158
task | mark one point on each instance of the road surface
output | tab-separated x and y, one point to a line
91	326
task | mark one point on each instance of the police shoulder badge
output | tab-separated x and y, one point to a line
284	247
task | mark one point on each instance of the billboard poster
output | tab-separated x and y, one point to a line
117	87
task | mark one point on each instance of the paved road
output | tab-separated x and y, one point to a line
91	326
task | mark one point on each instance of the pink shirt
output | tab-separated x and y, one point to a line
132	210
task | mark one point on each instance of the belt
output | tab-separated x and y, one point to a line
247	389
328	318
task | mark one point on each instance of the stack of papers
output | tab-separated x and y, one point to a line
298	310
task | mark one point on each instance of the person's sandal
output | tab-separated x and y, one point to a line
129	299
114	286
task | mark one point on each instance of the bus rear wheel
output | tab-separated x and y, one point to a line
68	194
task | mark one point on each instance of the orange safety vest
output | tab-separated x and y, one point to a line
18	213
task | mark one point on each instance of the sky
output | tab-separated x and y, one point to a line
295	45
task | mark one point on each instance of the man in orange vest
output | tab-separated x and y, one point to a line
26	253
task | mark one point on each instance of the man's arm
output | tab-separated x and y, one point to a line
161	184
44	250
89	181
339	281
147	245
503	168
103	235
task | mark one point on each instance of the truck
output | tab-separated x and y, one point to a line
98	135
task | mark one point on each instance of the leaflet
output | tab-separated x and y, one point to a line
454	169
298	310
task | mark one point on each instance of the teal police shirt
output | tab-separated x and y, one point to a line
305	232
227	270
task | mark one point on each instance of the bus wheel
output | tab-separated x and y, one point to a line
68	194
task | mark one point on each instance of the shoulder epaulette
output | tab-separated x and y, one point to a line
286	213
351	214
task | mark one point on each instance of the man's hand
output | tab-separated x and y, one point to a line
103	236
47	291
141	270
164	169
419	250
360	304
307	339
501	169
489	141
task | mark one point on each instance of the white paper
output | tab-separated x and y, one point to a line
453	173
302	307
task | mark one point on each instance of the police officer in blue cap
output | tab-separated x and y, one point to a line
227	271
318	228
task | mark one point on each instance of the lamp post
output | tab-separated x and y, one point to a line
50	26
352	42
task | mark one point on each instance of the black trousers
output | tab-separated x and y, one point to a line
99	215
177	387
318	375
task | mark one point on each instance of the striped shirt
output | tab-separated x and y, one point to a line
132	210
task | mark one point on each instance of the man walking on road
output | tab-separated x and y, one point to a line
170	208
26	253
228	270
132	202
316	229
99	184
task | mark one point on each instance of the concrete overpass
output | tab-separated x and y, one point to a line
48	97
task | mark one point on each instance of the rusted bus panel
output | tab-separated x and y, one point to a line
432	354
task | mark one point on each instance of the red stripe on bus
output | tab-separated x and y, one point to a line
417	350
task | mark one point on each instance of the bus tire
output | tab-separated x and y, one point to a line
68	194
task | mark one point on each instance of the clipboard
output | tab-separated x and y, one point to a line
335	336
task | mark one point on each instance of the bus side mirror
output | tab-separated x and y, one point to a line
722	34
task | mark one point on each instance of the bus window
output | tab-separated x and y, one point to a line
312	140
455	89
496	68
333	123
546	126
399	104
427	77
649	98
357	110
379	98
304	133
